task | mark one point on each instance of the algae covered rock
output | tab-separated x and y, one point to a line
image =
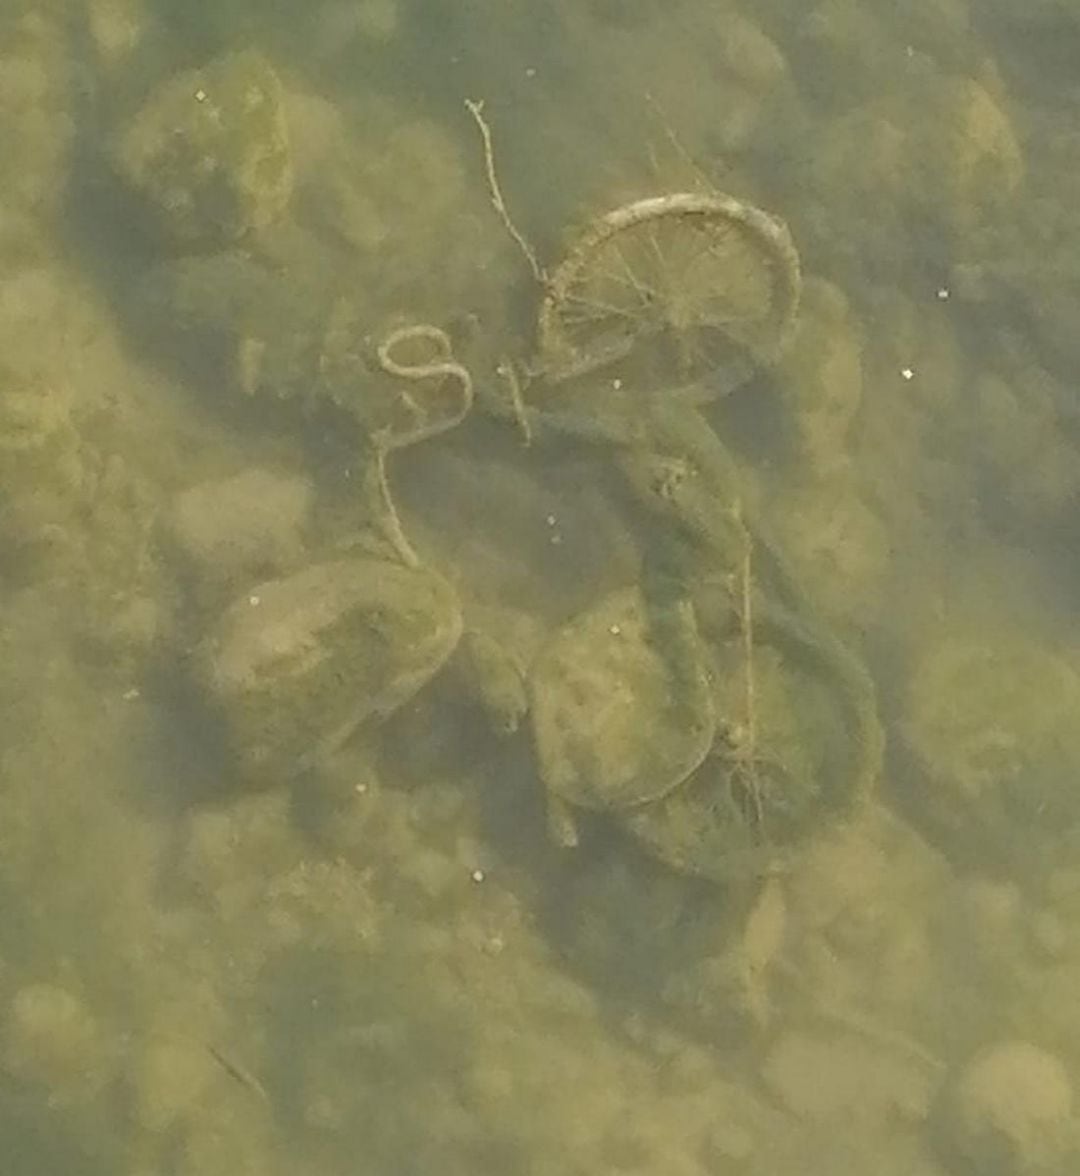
942	151
296	664
840	548
621	707
490	668
491	676
52	1040
169	1078
822	375
1008	1112
991	727
973	160
41	464
39	99
240	528
209	151
252	322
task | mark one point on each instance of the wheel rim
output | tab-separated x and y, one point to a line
691	283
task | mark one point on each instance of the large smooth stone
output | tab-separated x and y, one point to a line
297	664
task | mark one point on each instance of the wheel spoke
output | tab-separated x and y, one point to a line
643	292
599	310
691	267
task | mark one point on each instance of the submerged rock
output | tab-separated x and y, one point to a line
992	732
621	706
1008	1112
209	151
241	527
297	664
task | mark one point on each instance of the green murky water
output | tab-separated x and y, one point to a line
493	689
